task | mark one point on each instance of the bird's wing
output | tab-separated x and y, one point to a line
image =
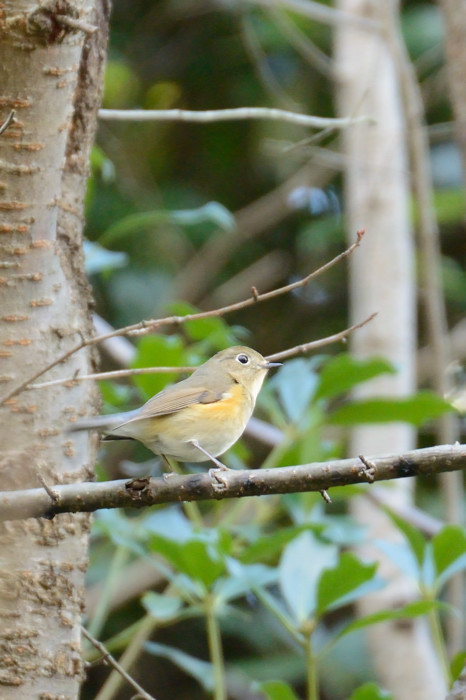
176	397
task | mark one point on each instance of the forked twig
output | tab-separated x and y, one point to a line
146	326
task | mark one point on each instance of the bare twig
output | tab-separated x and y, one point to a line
150	325
135	371
318	476
106	656
314	344
8	121
221	115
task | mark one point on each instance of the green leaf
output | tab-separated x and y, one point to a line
200	670
214	330
276	690
402	556
343	372
212	212
158	351
348	580
302	563
169	520
370	691
457	663
415	538
449	552
268	547
196	558
162	607
416	410
243	579
417	609
295	383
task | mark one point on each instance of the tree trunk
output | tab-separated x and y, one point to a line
382	279
454	13
50	75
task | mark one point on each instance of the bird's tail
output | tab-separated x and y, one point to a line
103	424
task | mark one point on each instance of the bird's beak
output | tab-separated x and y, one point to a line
269	365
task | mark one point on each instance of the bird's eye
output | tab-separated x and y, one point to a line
244	359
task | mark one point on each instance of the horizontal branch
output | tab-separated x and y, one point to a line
222	115
140	492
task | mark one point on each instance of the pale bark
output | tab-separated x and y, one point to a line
382	279
46	68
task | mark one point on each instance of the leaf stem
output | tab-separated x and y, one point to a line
311	669
439	644
215	649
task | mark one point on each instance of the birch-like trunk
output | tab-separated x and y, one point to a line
382	279
50	75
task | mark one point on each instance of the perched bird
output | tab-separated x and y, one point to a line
200	417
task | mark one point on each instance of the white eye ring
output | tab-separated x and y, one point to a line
242	358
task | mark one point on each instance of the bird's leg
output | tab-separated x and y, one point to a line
220	467
213	459
171	470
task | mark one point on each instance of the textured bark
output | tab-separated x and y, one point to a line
382	279
50	74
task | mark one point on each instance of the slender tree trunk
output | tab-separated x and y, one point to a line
50	75
382	279
454	13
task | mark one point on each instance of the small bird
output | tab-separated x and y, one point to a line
198	418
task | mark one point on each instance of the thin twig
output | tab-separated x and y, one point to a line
113	662
314	344
221	115
8	121
150	325
136	371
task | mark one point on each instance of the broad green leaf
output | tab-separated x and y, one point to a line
267	547
417	609
345	582
301	566
449	551
276	690
198	559
122	531
417	409
415	538
457	664
343	372
200	670
402	556
170	523
158	351
295	382
213	330
212	212
243	579
162	607
370	691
